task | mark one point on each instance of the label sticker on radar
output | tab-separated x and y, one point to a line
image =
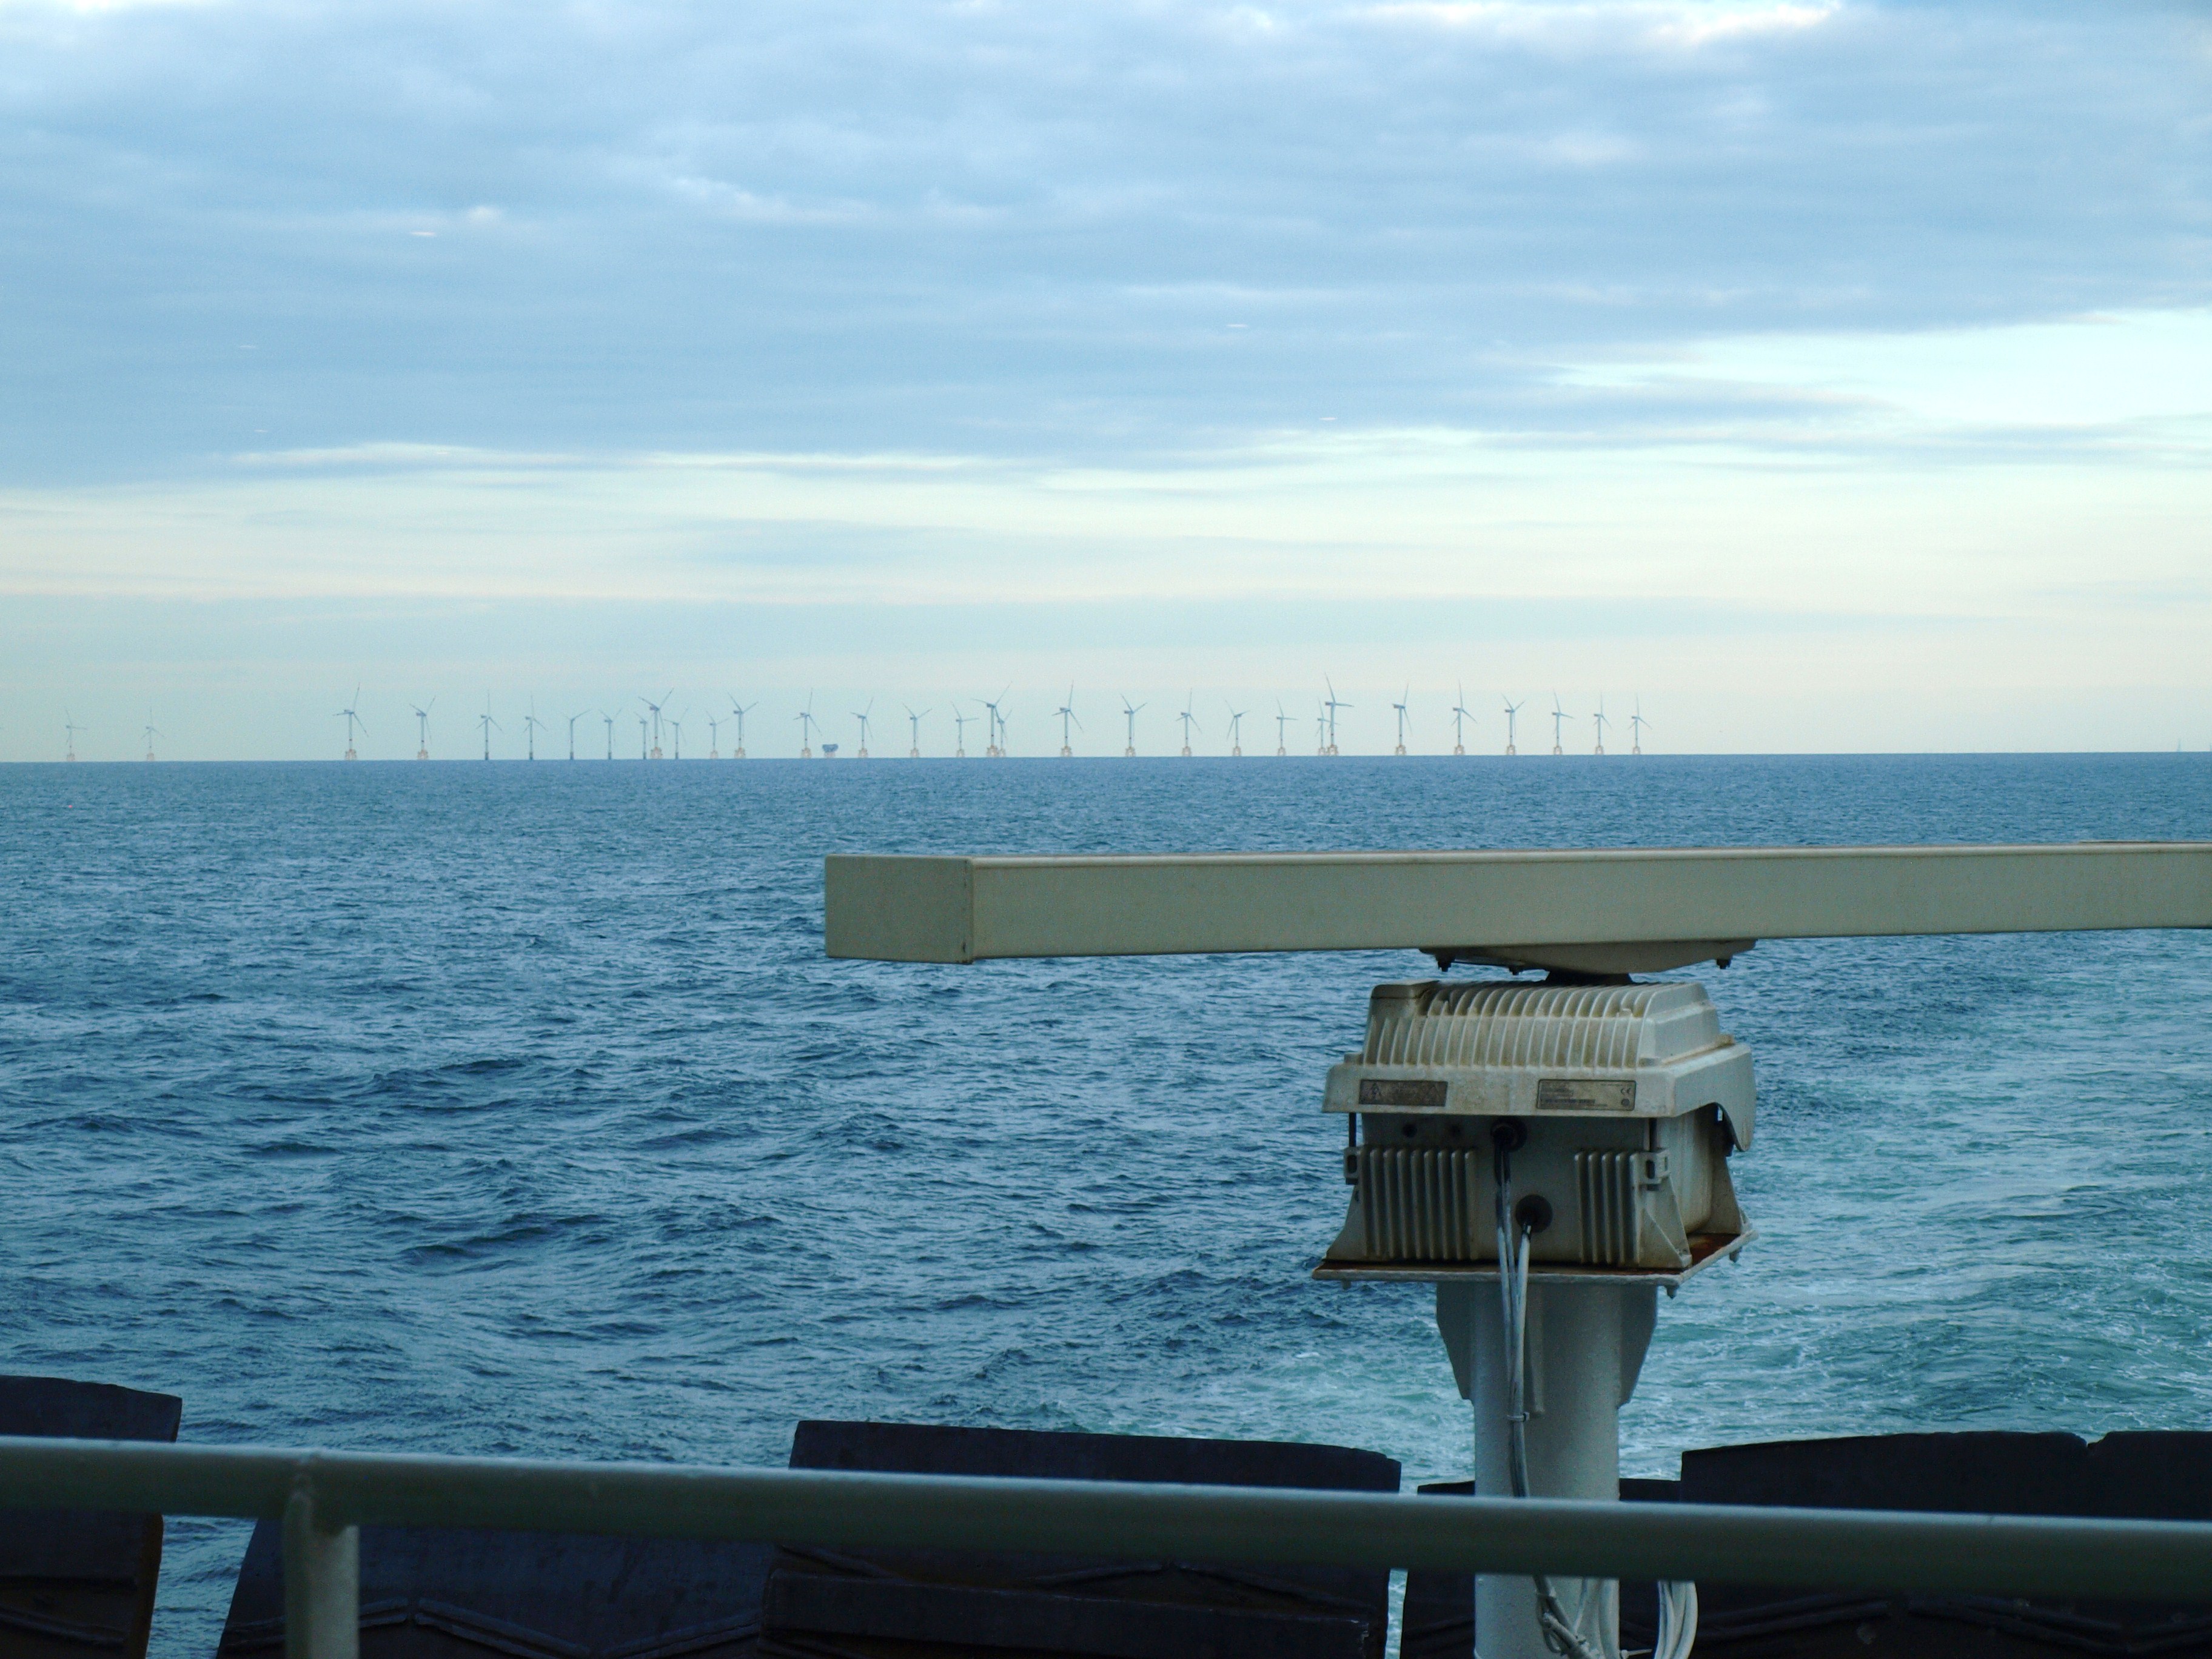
1577	1094
1401	1091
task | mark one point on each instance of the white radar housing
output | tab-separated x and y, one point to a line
1631	1098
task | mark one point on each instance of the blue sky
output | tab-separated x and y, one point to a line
1831	375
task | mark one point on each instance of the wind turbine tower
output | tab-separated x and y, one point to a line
1129	712
737	749
609	719
994	739
656	708
530	727
675	726
1332	705
1600	719
914	730
572	719
1188	721
1404	697
1512	709
151	733
713	738
1282	747
1066	713
807	724
1559	714
1321	732
1459	712
641	730
70	729
423	729
486	721
861	753
960	733
1636	725
1236	729
351	720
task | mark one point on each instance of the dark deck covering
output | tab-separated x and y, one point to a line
80	1583
934	1604
449	1592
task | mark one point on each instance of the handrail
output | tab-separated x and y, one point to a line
324	1497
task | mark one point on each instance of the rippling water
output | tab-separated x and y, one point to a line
515	1109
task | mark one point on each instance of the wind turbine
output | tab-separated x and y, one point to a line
1237	728
960	733
641	729
1332	705
656	708
738	750
423	729
1558	715
152	733
914	730
1066	713
1320	730
1600	719
713	738
1129	712
351	720
572	719
1636	725
807	723
995	747
609	719
486	721
1512	708
69	728
1459	712
676	725
1281	720
862	753
1404	697
530	724
1188	721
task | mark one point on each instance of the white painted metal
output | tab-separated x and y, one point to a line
322	1581
1628	1100
1491	1048
1633	910
1586	1346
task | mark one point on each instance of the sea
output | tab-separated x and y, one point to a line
515	1109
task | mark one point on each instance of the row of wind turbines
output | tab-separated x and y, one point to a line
656	727
660	731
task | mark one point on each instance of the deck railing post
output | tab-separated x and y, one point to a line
322	1581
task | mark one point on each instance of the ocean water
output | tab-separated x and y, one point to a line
515	1109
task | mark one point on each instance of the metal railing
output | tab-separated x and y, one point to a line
323	1498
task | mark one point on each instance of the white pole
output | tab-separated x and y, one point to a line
322	1582
1585	1346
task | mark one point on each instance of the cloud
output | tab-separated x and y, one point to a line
1631	25
1022	229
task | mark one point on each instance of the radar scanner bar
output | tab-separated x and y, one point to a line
1608	911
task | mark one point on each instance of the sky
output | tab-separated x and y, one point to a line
1827	376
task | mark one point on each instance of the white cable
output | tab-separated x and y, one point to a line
1678	1620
